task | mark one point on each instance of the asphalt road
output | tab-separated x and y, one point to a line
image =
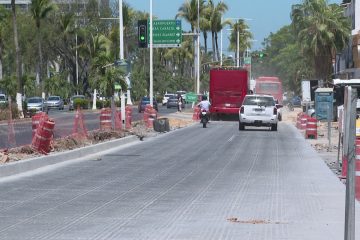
191	183
64	124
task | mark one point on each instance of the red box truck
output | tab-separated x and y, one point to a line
228	88
271	86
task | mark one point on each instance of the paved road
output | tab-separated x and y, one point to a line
193	183
64	124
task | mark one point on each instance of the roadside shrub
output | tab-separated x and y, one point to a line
82	103
4	113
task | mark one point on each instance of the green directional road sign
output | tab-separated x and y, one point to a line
247	60
166	33
191	97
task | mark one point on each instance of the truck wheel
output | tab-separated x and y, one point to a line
274	127
241	126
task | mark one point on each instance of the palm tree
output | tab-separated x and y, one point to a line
3	17
189	11
322	30
39	11
244	37
215	14
20	86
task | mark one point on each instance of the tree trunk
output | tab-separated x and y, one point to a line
20	87
217	47
205	41
213	46
40	61
1	65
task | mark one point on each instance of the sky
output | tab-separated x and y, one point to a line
265	16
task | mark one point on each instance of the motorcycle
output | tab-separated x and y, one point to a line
204	118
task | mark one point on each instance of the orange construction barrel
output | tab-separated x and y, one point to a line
311	128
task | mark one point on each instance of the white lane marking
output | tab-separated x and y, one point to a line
232	138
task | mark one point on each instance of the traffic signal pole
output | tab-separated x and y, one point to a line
151	55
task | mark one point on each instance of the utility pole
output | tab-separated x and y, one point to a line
151	54
198	50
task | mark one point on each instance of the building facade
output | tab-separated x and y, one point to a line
347	62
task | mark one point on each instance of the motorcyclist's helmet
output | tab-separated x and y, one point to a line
203	97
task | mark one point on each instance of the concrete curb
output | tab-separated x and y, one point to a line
30	164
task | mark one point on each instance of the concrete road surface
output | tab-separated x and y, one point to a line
193	183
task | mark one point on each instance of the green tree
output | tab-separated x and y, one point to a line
244	40
39	11
322	30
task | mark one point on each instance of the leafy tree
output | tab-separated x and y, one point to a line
40	10
322	30
244	37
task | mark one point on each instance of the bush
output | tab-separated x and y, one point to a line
82	103
4	112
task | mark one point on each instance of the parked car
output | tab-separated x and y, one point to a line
172	102
55	102
36	104
259	110
296	101
71	103
3	99
166	97
144	101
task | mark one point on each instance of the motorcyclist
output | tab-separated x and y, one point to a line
204	105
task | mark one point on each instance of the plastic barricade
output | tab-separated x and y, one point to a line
35	121
196	114
147	110
357	170
152	118
105	119
128	119
43	137
311	128
303	121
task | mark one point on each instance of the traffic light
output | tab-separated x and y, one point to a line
142	34
262	55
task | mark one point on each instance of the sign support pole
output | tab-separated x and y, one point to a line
151	54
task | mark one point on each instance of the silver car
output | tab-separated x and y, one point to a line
36	104
259	111
55	102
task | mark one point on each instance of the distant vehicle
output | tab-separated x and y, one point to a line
296	101
3	99
55	102
166	97
259	110
270	86
228	88
172	102
144	101
308	88
36	104
71	103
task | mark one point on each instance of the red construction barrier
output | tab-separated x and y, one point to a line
152	118
36	119
303	121
43	137
128	119
344	166
196	114
357	170
311	128
105	119
147	110
118	120
79	129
